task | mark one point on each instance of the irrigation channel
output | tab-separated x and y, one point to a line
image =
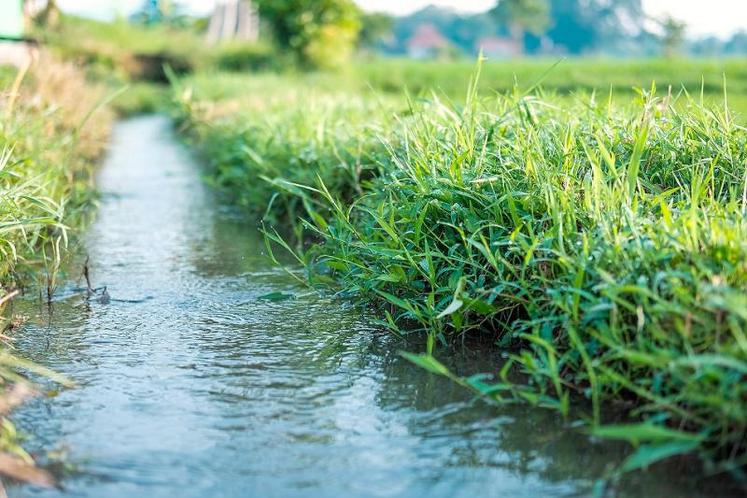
191	384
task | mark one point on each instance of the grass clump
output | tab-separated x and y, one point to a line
247	57
265	138
48	141
605	252
141	58
602	247
125	51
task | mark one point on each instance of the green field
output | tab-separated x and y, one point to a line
597	237
563	76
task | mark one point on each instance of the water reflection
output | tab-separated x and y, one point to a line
192	385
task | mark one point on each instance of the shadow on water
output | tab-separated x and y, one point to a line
192	385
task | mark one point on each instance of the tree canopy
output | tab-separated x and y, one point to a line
321	33
532	16
564	26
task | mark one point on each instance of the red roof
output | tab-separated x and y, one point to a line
427	36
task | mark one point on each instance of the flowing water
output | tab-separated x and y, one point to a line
190	384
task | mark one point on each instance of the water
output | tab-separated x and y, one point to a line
191	385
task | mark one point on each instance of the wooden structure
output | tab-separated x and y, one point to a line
236	20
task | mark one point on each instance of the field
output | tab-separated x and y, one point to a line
563	76
598	238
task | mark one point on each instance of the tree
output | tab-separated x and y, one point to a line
580	26
321	33
672	36
737	45
50	15
375	27
523	16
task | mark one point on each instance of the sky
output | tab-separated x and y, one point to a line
712	17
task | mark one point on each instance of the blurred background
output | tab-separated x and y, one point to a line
389	45
449	29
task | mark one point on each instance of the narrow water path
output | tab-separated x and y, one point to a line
191	385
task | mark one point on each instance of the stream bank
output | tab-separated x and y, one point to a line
191	384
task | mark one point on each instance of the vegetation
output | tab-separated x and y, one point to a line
121	55
522	16
558	76
600	245
557	27
118	47
539	27
595	232
320	34
48	141
298	133
673	35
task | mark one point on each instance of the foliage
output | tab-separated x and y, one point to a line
119	52
321	33
46	163
568	77
602	247
463	31
557	26
49	136
376	27
123	55
161	12
672	36
140	97
532	16
596	25
245	57
50	15
297	134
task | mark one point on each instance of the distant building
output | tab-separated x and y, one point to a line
234	20
427	42
496	47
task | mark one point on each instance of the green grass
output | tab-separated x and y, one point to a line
567	76
113	46
264	127
48	142
127	58
49	137
601	243
133	58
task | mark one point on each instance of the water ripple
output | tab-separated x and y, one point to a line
192	385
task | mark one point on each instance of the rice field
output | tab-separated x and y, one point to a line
596	237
